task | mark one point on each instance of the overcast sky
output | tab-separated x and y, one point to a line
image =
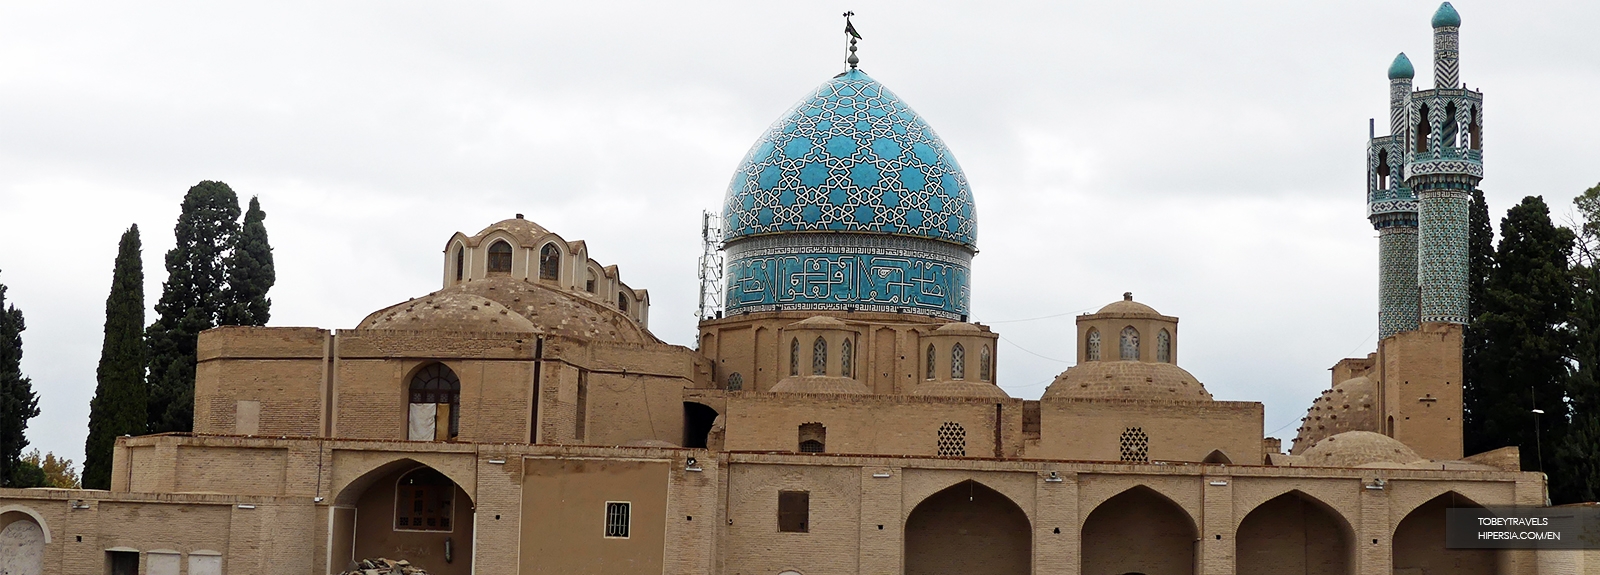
1206	156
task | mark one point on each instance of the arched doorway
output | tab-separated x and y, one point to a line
697	420
404	510
1419	543
1294	533
968	529
21	544
1138	531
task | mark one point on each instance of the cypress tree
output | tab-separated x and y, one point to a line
1480	261
18	402
192	301
1579	454
1522	362
250	272
118	407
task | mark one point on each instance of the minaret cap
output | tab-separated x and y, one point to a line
1401	68
1446	16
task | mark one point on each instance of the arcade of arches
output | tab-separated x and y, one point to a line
1138	531
968	528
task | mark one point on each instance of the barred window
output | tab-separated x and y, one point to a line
735	382
794	356
846	354
1130	344
819	356
813	438
985	365
1164	347
617	513
1135	445
500	257
1091	349
958	362
423	501
929	371
549	262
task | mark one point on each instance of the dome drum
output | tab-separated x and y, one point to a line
848	272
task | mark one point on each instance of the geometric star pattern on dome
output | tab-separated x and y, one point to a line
851	157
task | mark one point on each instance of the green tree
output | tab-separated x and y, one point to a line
1480	261
119	404
1522	363
18	402
1579	454
250	272
192	301
56	472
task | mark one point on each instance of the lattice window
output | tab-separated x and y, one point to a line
794	356
929	371
1091	350
1135	445
735	382
500	257
985	365
819	356
958	362
549	262
846	358
423	501
1130	344
952	440
1164	347
813	438
617	518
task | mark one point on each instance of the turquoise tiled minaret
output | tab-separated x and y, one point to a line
1444	164
1392	209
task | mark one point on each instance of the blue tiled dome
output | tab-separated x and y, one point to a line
851	157
1446	16
1401	68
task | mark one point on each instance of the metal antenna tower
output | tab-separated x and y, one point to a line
710	266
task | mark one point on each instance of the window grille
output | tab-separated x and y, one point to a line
1092	349
794	356
952	440
846	357
423	501
985	365
929	371
819	356
735	382
617	519
549	262
958	362
794	511
1130	344
813	438
1135	445
500	257
1164	347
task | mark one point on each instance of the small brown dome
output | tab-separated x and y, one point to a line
820	384
1127	380
1128	307
957	327
1349	406
526	232
450	310
1359	449
540	308
960	389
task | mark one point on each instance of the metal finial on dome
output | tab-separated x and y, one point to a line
851	33
1127	296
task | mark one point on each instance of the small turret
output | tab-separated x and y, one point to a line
1446	47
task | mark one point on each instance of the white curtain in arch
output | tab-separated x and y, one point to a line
1130	344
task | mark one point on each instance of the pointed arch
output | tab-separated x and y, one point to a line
1138	530
794	356
1418	544
1424	129
846	358
1163	346
958	362
434	397
461	261
499	257
929	373
819	356
1383	170
1294	532
1128	344
549	262
969	524
1091	346
1217	457
985	365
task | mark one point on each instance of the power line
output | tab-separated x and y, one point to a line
1014	344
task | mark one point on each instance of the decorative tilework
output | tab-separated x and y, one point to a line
952	440
845	271
1446	57
1397	280
1442	254
851	157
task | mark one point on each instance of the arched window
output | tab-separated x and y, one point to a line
1424	129
929	371
813	438
424	501
735	382
985	365
1474	131
819	356
846	358
590	284
461	262
435	403
500	257
1130	344
549	262
952	440
1451	125
1164	347
1383	169
1091	349
794	356
958	362
622	302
